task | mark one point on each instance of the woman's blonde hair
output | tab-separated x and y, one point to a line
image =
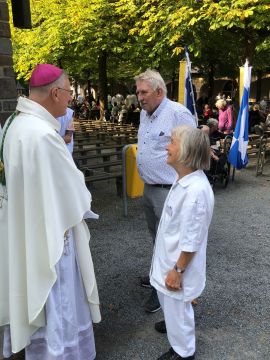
221	103
194	147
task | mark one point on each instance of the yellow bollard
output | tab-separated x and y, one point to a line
134	183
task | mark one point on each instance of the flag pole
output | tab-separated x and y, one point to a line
191	85
238	151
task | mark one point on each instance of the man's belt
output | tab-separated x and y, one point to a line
164	186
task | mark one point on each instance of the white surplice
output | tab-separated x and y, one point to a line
44	197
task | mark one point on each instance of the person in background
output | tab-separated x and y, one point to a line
158	117
178	270
207	112
48	291
214	134
67	129
255	118
264	104
115	112
225	116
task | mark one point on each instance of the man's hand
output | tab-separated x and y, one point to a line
173	280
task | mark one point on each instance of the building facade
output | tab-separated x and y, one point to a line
8	92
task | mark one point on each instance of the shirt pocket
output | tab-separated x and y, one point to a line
159	142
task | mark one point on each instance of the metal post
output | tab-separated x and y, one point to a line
124	178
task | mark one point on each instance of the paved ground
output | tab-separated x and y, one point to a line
232	316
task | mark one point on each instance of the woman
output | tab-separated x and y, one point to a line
179	259
225	117
207	112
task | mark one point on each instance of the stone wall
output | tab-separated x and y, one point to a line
8	93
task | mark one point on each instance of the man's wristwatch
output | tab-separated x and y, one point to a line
179	270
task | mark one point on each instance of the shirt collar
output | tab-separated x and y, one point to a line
159	109
188	179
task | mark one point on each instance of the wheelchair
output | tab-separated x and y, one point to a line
220	168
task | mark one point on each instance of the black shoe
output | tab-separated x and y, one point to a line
161	327
18	356
145	282
172	355
152	304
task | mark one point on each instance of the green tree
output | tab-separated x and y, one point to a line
220	34
79	36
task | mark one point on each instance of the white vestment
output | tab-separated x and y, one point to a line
44	197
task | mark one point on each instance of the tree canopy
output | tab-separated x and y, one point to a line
118	38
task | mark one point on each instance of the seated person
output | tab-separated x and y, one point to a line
218	158
214	134
254	118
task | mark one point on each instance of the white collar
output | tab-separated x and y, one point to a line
187	179
31	107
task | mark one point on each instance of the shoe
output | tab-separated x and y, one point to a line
145	282
195	302
172	355
152	304
18	356
161	327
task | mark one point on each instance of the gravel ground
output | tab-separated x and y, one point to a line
232	317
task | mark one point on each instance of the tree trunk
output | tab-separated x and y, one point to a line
76	88
173	86
249	46
211	80
89	91
259	86
103	83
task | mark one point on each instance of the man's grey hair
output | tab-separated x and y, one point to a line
154	78
212	122
194	147
44	90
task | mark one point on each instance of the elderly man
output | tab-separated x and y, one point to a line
159	116
48	292
179	259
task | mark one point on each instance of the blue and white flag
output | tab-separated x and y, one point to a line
189	100
238	152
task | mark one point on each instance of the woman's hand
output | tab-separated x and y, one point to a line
173	280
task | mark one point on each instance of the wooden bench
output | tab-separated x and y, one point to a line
103	155
126	137
98	149
101	163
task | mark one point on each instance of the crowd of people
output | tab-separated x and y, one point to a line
120	109
49	297
126	110
224	112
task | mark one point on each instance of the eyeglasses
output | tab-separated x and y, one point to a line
70	91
